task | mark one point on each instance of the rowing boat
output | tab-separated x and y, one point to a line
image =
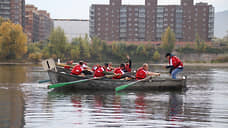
111	84
61	75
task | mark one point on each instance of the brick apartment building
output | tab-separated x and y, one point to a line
147	22
38	23
45	25
13	10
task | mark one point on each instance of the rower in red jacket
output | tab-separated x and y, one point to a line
175	65
143	72
119	72
110	68
102	71
77	70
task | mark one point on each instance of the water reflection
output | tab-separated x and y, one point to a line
11	108
11	74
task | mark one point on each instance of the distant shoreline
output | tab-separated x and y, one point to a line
162	64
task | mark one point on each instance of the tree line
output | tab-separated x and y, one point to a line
13	45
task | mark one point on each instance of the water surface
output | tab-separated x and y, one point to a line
25	103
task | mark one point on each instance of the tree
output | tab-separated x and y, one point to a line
141	50
58	42
200	45
168	40
1	20
13	41
97	48
156	56
75	52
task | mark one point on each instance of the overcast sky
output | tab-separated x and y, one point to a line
79	9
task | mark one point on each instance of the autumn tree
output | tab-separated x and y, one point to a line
97	48
141	50
1	20
200	45
13	41
168	40
156	56
57	43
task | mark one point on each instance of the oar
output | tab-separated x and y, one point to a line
43	81
72	82
62	65
130	84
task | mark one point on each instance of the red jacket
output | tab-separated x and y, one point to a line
118	71
140	74
175	62
127	68
99	72
77	70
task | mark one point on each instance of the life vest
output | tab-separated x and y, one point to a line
118	71
99	72
77	70
175	62
127	68
140	74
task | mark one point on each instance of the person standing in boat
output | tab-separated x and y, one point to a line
102	71
128	65
78	69
175	65
143	72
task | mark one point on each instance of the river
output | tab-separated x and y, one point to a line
25	103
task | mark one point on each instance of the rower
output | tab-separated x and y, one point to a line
175	65
119	72
143	72
102	71
87	70
78	69
110	68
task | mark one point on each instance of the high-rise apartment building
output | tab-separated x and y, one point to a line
147	22
32	23
13	10
38	23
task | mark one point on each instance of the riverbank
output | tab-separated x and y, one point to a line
163	64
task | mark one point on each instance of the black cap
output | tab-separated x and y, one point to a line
168	54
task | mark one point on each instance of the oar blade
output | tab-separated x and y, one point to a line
43	81
123	86
67	83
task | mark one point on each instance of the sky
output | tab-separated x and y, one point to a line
79	9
